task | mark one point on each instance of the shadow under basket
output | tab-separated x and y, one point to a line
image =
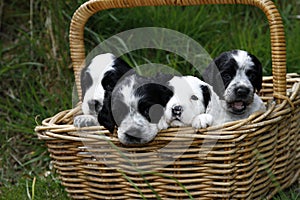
252	158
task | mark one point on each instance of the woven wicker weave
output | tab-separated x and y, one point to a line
248	159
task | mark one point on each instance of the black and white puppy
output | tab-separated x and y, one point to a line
115	96
98	80
137	105
191	104
236	76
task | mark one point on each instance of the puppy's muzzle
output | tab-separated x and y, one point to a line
177	111
134	135
242	92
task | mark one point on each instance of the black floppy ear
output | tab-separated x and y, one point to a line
105	116
206	95
155	98
257	82
159	98
212	74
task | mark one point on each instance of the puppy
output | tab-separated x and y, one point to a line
115	96
98	80
190	104
236	76
137	106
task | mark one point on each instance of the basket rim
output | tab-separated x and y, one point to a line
54	126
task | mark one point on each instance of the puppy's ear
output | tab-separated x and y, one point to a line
105	116
86	80
155	98
257	81
206	95
163	95
111	77
166	93
212	74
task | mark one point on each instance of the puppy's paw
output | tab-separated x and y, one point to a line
202	121
162	124
85	121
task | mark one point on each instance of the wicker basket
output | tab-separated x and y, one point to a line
248	159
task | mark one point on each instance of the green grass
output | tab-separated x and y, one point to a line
37	79
34	188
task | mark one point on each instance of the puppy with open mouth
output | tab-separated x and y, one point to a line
236	76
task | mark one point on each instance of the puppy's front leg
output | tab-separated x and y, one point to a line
85	121
162	124
202	121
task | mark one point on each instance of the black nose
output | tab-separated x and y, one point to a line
177	110
242	91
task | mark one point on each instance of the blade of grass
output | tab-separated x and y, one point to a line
132	183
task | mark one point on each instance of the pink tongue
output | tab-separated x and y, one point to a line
238	105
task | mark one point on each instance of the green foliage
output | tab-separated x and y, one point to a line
37	81
34	189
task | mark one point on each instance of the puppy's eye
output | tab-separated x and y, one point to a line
251	75
226	76
194	98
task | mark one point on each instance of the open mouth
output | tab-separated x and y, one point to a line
176	121
176	118
237	107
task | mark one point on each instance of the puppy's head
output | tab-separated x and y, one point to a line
191	98
98	79
137	106
235	75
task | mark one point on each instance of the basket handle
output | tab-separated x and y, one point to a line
86	10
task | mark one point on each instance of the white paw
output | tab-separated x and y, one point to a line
202	121
162	124
85	121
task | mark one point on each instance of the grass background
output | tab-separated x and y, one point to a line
37	79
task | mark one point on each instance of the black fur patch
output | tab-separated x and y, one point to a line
154	98
255	75
109	81
86	81
111	77
105	116
206	95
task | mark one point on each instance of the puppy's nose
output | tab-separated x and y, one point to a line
242	91
177	110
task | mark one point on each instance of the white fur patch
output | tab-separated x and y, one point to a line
85	121
188	95
99	65
127	91
243	59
